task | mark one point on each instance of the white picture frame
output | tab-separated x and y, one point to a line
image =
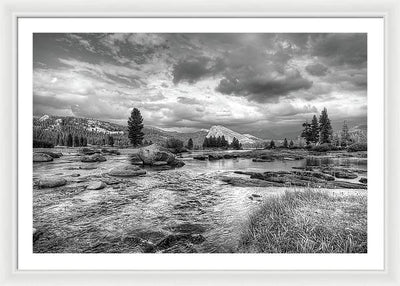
12	276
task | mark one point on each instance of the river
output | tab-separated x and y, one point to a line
121	216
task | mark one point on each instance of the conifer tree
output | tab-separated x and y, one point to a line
314	130
135	126
190	144
345	136
69	140
272	144
285	143
291	144
325	135
76	141
306	133
110	141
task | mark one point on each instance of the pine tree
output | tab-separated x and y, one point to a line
325	135
224	143
135	126
345	136
285	143
190	144
76	141
235	143
306	133
218	142
314	130
272	144
69	140
291	144
110	140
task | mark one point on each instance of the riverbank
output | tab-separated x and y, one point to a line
307	221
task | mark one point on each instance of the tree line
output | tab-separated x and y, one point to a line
320	131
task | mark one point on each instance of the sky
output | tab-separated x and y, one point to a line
250	83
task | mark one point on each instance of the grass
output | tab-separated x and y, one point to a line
308	222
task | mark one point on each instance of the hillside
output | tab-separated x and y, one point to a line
219	131
52	128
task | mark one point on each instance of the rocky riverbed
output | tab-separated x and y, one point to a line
120	201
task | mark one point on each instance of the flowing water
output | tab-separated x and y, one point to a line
190	199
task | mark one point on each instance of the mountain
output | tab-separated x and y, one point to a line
219	130
157	135
52	128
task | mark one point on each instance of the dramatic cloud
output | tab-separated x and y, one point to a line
317	69
193	70
264	88
248	82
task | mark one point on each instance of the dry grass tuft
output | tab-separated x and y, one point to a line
308	222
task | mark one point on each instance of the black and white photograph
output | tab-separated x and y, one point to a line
200	143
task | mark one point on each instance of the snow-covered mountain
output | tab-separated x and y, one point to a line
219	130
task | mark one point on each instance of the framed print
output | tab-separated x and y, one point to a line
194	143
233	148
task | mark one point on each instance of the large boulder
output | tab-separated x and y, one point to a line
52	182
154	153
52	154
93	158
88	151
41	157
96	185
127	171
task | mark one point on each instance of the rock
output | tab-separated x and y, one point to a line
52	182
41	157
127	171
96	185
93	158
363	180
213	157
177	164
340	173
112	181
110	151
317	175
135	160
75	175
52	154
345	175
154	153
88	151
347	185
230	156
160	163
262	160
307	168
88	167
201	157
162	168
245	173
